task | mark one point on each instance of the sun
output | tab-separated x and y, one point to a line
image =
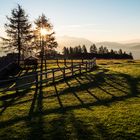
43	31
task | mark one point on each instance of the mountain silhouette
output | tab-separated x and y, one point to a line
72	41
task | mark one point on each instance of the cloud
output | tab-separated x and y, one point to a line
101	30
73	26
82	28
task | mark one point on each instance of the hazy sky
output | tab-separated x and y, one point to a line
97	20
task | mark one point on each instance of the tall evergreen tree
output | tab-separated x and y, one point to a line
130	54
44	35
105	50
101	50
84	49
93	49
79	49
19	33
64	50
120	52
76	50
71	50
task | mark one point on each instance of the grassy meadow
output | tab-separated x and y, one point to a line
103	104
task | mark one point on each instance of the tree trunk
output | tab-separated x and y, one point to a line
19	41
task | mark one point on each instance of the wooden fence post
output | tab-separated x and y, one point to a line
86	66
82	61
64	73
36	81
65	61
72	67
45	64
72	62
57	61
89	65
46	73
53	76
94	61
80	68
46	68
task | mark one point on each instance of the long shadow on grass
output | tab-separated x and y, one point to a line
74	93
126	82
107	78
88	91
59	100
97	81
9	99
132	85
67	124
36	124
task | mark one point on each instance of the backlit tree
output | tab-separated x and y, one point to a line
19	33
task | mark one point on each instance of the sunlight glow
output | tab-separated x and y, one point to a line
43	31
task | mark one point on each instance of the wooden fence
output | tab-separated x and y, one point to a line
51	75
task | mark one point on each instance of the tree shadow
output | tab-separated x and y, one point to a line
83	130
98	84
107	77
68	126
36	124
131	82
97	80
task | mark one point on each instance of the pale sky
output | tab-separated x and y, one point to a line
96	20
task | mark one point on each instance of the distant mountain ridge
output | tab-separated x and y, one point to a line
75	41
72	41
110	45
130	41
68	41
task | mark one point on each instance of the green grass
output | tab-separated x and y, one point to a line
101	105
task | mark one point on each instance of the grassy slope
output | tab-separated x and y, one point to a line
103	104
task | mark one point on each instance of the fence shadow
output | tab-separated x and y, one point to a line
67	123
9	99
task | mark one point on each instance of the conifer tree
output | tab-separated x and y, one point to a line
84	49
120	52
65	51
44	35
93	49
71	50
19	33
101	50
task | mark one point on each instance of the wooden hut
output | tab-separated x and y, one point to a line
31	61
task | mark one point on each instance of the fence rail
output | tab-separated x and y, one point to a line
52	75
